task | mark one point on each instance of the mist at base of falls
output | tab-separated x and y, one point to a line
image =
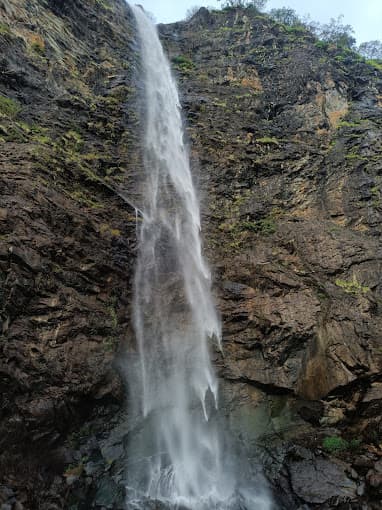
178	457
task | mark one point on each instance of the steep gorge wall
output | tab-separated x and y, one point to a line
286	146
286	137
68	128
288	140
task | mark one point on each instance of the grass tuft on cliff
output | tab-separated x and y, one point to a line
336	444
352	287
9	107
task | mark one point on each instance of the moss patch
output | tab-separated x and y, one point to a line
37	43
377	64
4	29
182	63
266	226
336	444
105	4
74	140
9	107
352	286
268	140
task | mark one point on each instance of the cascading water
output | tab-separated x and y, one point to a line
175	455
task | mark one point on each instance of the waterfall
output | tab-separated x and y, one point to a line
175	453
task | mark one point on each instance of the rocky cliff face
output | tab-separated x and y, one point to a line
287	138
67	236
286	145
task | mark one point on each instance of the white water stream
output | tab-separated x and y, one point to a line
177	456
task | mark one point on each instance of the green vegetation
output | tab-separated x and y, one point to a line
238	231
9	107
250	4
113	314
44	139
352	287
74	470
4	29
354	155
296	29
107	229
37	43
105	4
74	140
75	439
243	96
114	318
22	132
221	104
33	132
336	32
66	153
371	50
268	140
183	63
336	444
285	16
266	226
84	199
333	33
322	45
377	63
109	343
345	123
12	133
332	36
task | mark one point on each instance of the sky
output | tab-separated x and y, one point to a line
364	15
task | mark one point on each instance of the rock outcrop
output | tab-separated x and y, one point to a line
67	233
285	138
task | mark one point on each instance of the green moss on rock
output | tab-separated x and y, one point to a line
9	107
352	286
4	29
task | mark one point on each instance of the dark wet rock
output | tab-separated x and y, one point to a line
372	401
320	480
109	495
64	281
311	411
291	243
289	158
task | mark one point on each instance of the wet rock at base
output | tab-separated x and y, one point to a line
109	495
319	480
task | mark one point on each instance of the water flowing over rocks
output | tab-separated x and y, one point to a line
285	141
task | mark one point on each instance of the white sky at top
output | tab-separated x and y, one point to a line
365	16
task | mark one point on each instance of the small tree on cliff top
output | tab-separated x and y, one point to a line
337	33
258	4
371	50
285	15
192	11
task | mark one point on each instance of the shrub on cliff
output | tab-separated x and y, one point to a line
191	12
337	33
371	50
285	15
257	4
